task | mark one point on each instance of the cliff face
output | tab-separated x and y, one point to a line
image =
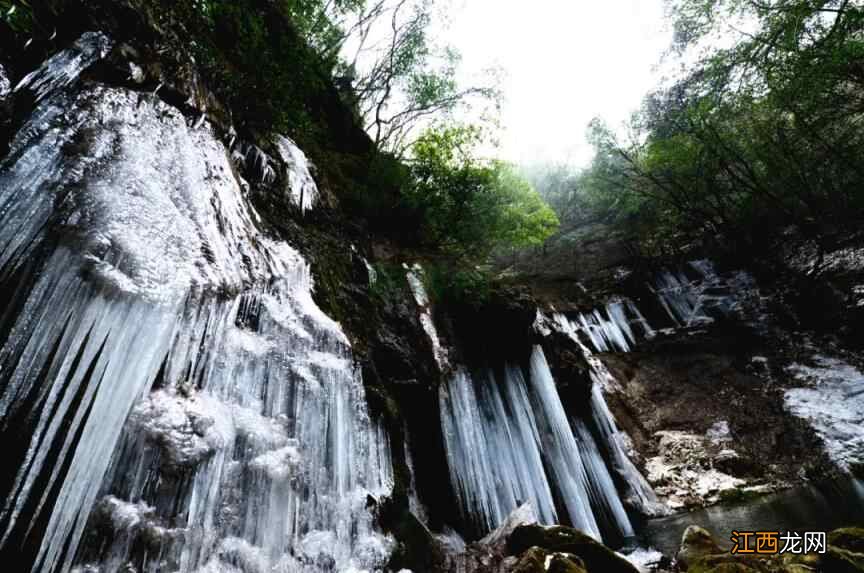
718	370
211	362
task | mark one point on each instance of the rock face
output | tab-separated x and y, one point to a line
708	412
825	284
176	392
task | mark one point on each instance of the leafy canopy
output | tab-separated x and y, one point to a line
470	206
754	138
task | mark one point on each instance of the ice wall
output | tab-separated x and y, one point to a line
636	489
700	294
172	396
509	441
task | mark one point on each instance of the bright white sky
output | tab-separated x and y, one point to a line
564	62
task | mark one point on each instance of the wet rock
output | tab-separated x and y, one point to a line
849	538
700	553
537	560
560	539
565	563
731	564
696	543
686	472
707	421
837	560
532	561
522	516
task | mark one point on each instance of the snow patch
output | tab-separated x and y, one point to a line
682	473
833	403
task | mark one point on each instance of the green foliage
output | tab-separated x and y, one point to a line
29	17
317	22
389	280
258	62
560	186
17	15
451	286
753	138
470	206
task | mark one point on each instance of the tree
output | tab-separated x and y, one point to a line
559	185
470	206
399	78
754	137
378	52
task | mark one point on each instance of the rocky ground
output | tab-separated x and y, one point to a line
709	417
520	545
761	399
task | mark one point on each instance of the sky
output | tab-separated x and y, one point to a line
564	62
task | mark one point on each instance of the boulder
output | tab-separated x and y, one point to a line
696	543
837	560
537	560
699	553
848	538
559	539
566	563
532	561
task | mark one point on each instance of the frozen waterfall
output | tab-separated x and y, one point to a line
509	441
168	388
700	294
637	491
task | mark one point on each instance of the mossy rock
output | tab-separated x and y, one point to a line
565	563
532	561
800	563
728	563
700	554
837	560
696	543
597	558
848	538
726	567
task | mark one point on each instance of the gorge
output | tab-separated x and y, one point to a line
208	365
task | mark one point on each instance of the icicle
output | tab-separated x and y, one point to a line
164	278
509	441
414	504
639	319
638	492
5	86
601	488
563	456
415	281
64	67
615	442
371	273
493	451
301	186
611	329
693	302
